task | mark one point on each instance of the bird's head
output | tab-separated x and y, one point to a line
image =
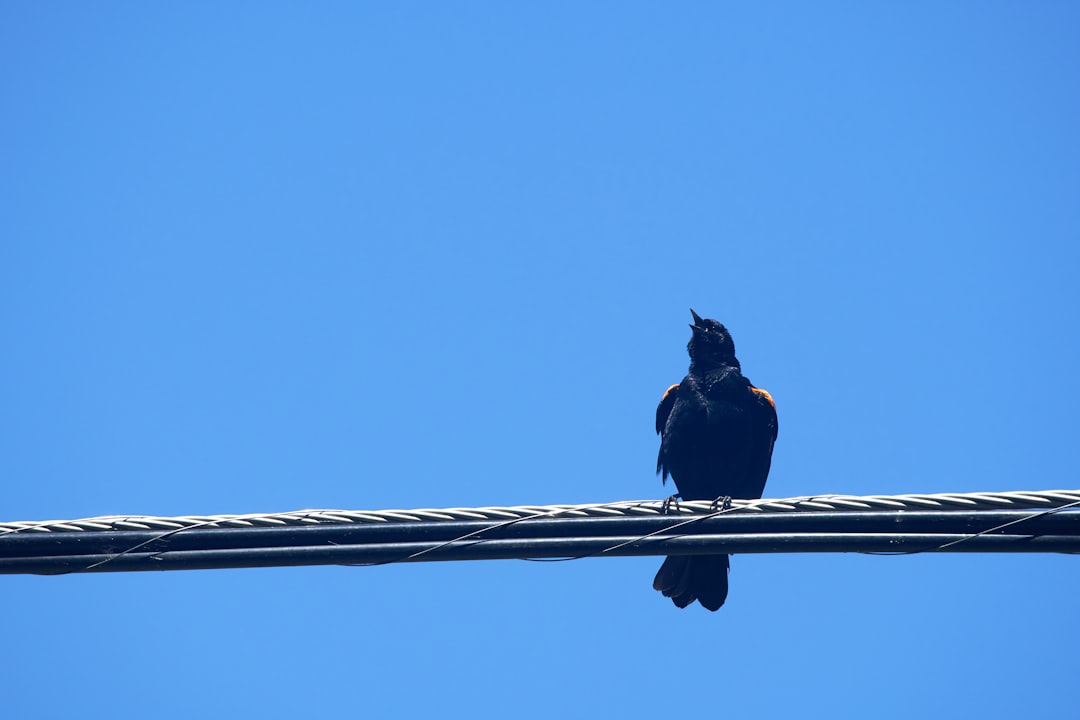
711	344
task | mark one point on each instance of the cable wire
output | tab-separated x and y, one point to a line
1026	521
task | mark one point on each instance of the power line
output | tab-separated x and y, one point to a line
1040	521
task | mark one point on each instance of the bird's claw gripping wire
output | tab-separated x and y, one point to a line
665	507
721	503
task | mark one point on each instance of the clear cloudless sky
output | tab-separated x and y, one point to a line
267	256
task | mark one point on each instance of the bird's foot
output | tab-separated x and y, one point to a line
665	506
721	503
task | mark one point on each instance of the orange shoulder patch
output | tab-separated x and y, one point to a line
765	394
672	389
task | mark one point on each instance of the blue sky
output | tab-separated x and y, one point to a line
272	256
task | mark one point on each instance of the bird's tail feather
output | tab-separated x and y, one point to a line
686	578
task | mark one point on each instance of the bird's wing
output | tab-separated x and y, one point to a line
664	408
768	405
663	411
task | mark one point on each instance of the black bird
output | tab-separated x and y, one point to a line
716	440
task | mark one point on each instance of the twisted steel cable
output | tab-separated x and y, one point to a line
1023	521
810	503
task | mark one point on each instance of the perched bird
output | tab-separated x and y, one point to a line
716	440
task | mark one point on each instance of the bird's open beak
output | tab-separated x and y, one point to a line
696	325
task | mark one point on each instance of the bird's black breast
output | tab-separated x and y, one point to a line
717	437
